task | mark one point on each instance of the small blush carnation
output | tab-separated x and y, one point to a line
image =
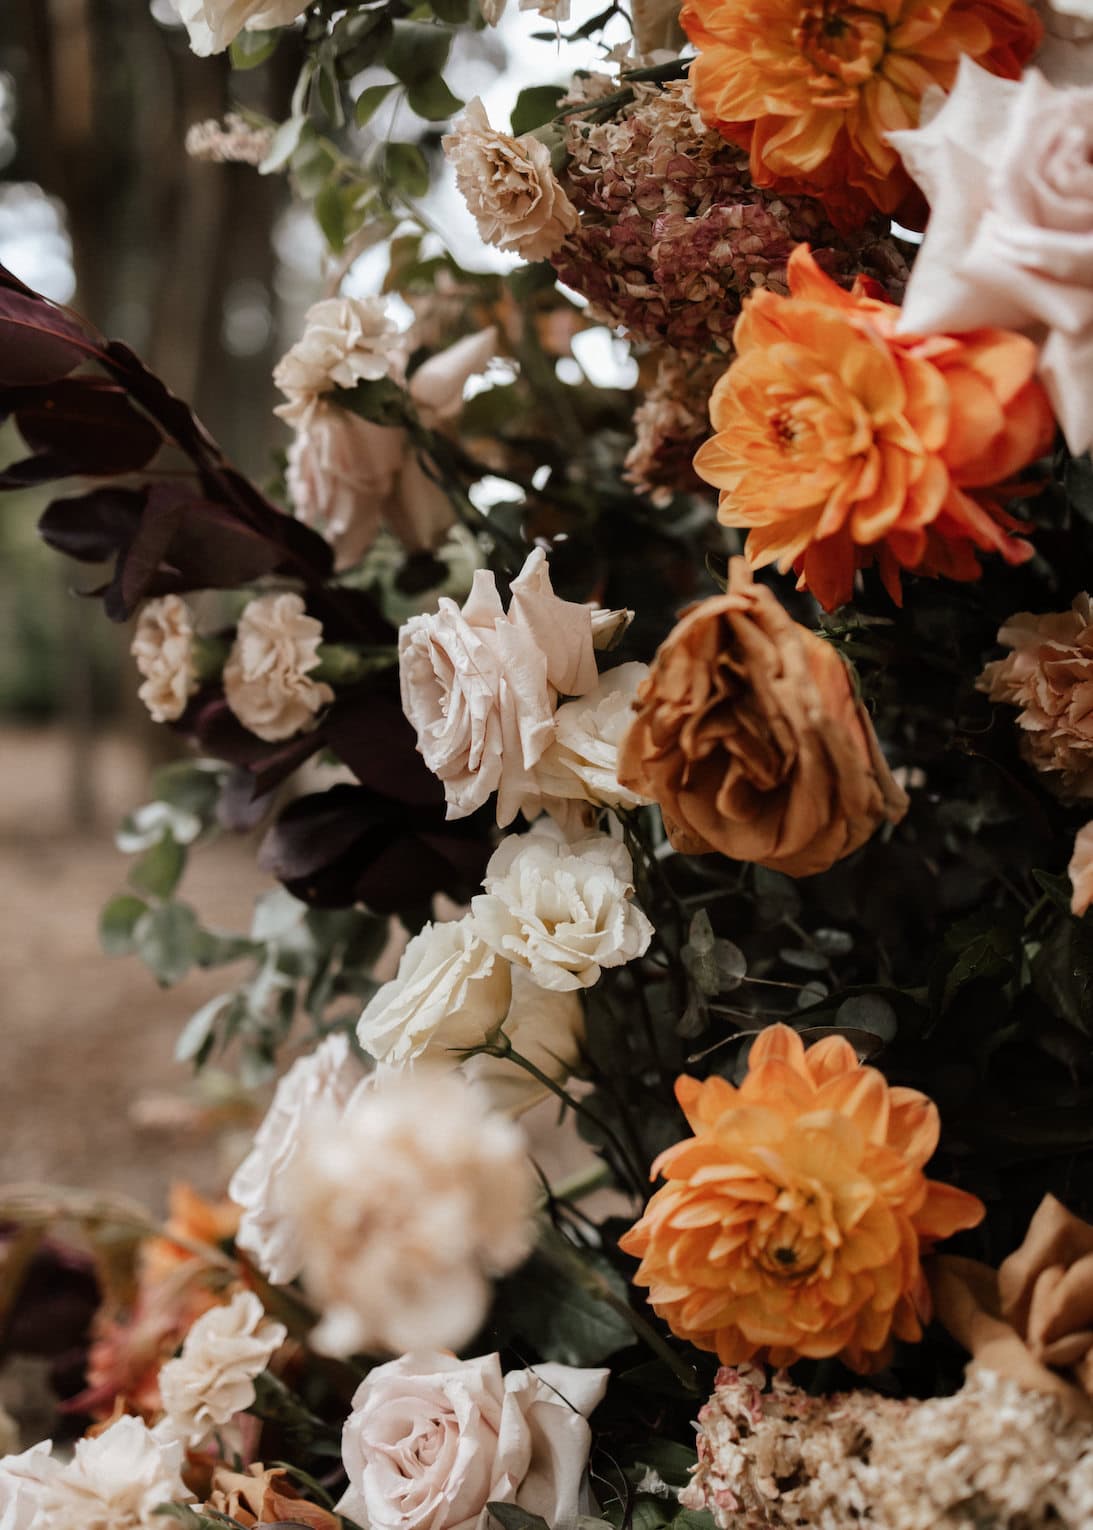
406	1204
563	911
345	341
163	646
213	1378
266	681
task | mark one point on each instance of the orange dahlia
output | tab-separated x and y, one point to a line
811	87
841	443
793	1221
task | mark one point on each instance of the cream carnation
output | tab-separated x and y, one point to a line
1007	166
212	24
581	763
345	341
450	992
115	1481
266	677
479	686
1049	675
432	1440
213	1378
163	646
405	1205
22	1486
563	911
325	1079
509	186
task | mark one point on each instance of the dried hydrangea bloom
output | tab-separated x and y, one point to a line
1049	675
266	678
163	646
670	424
673	233
233	141
993	1454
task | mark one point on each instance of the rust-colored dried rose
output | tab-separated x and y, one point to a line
265	1496
750	737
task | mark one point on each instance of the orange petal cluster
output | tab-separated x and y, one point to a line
793	1222
811	87
840	443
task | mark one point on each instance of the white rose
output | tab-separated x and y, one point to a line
163	646
450	991
543	1025
509	186
431	1440
582	762
213	1378
479	686
563	911
325	1078
115	1481
212	24
266	681
1007	166
345	341
22	1484
406	1203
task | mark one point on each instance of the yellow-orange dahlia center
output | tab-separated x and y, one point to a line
845	43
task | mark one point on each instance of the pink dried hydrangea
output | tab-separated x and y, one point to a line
670	424
673	235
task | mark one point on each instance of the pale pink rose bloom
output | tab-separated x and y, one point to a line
214	24
479	685
163	646
1080	871
509	186
345	341
266	678
432	1440
1007	166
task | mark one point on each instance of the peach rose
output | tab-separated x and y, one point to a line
509	186
749	735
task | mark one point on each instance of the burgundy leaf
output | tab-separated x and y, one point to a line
212	722
88	423
39	342
94	526
30	471
369	732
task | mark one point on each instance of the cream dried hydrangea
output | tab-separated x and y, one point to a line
994	1454
563	911
509	186
406	1204
267	681
1049	676
213	1378
323	1080
213	24
163	646
345	341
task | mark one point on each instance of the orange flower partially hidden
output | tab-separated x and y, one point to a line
841	443
811	87
794	1220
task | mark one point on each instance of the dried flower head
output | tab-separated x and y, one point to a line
233	141
793	1221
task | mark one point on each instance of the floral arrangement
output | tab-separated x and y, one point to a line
720	785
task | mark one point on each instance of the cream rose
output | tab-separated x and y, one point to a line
406	1204
582	762
479	686
1007	166
545	1026
450	991
325	1079
509	186
114	1481
431	1440
345	341
163	646
213	1378
563	911
22	1485
212	24
266	677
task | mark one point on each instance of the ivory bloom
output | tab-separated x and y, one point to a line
163	646
213	1378
479	685
545	1026
431	1440
563	911
1080	871
1007	166
450	991
509	186
22	1487
115	1481
345	341
213	24
325	1079
266	677
405	1204
582	761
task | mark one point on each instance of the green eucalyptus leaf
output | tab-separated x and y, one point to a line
432	100
197	1035
370	100
159	869
383	401
417	51
249	49
286	140
117	922
535	105
165	938
455	12
330	215
405	169
510	1517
